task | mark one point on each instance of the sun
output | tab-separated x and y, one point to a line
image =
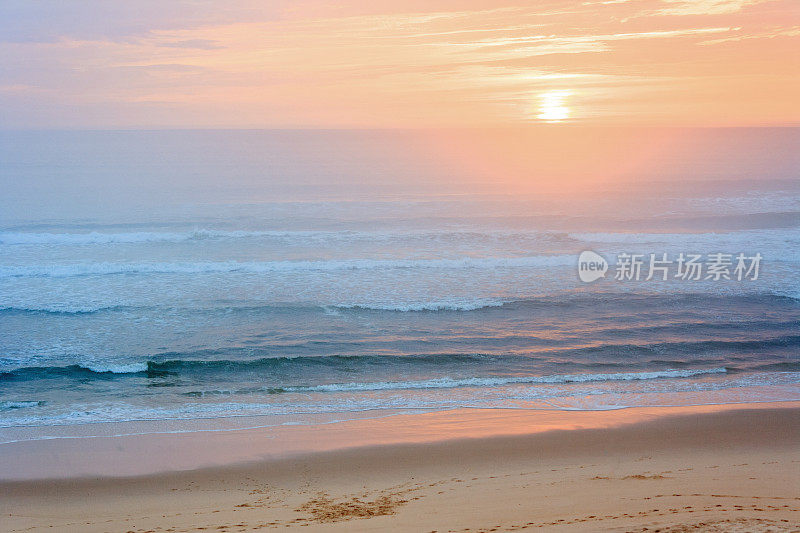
552	106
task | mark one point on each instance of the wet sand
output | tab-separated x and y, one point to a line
714	468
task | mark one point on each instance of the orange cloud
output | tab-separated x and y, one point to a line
391	64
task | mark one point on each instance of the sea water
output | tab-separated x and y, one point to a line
311	277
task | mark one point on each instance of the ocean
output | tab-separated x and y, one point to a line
179	281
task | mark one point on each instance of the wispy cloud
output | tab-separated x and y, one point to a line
383	63
778	32
704	7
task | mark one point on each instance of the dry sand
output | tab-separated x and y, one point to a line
692	469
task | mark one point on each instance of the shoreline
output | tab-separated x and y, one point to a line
153	453
727	466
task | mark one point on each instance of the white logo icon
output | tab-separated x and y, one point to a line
591	266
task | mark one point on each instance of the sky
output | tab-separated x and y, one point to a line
397	63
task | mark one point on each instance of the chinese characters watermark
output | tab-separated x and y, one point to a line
661	267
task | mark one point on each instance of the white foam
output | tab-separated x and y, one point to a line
19	404
449	383
56	308
89	238
439	305
116	368
94	237
731	238
209	267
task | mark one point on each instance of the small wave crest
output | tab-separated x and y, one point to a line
118	368
255	267
558	300
438	305
472	382
57	309
449	383
10	404
85	370
177	366
728	238
156	369
95	237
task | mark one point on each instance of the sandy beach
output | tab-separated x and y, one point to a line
399	266
713	468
